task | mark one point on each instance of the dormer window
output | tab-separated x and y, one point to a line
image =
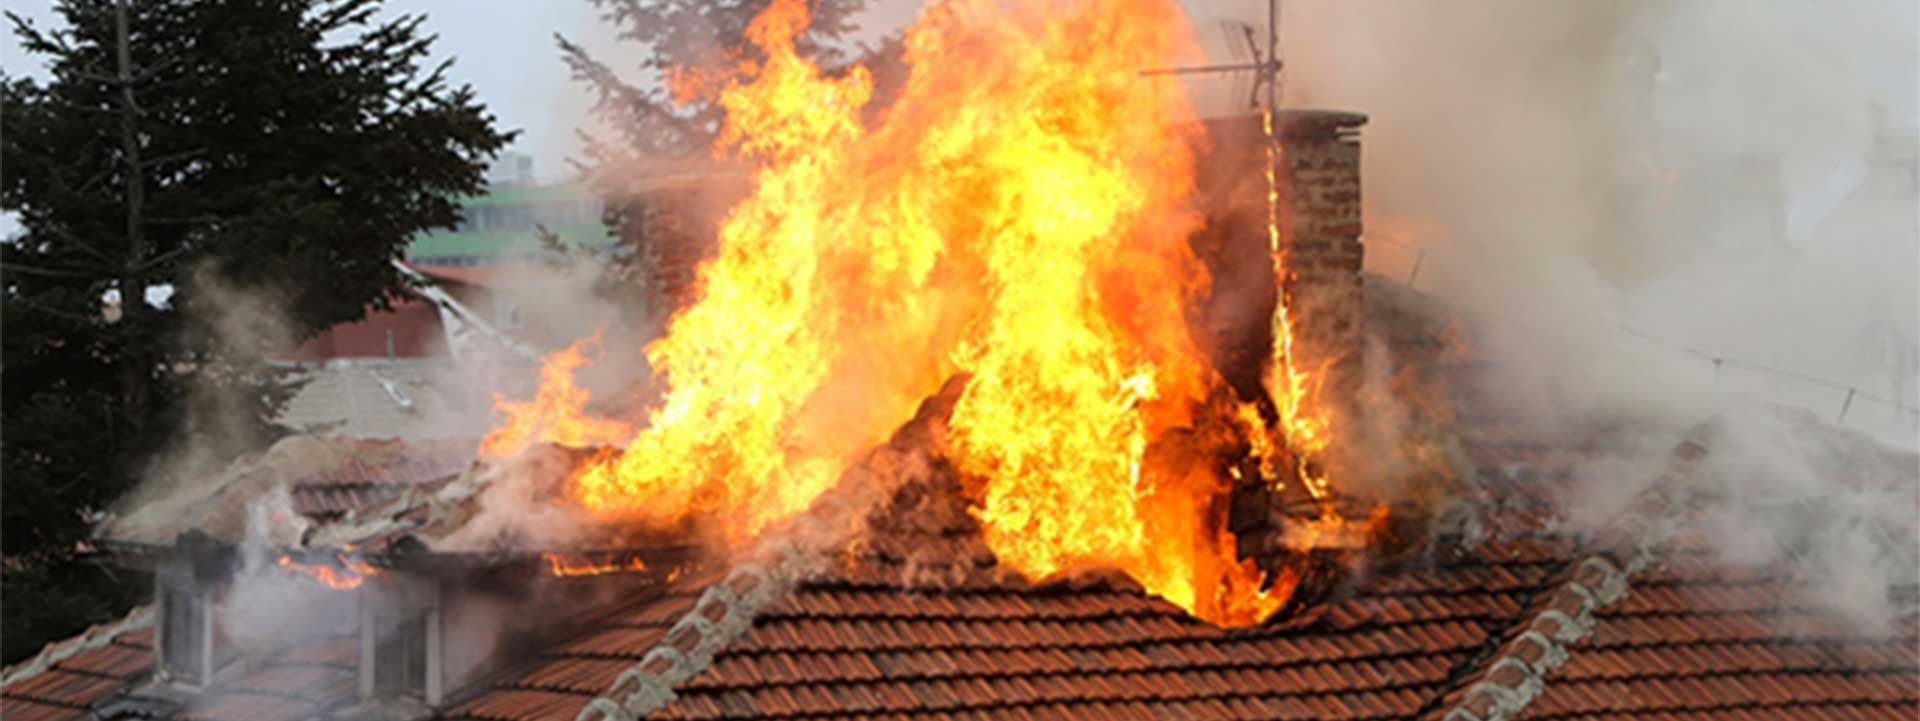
400	653
400	641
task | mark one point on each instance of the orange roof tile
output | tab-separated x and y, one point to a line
1523	622
74	674
872	639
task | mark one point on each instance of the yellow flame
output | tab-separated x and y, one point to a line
342	574
557	413
1304	430
564	566
1019	214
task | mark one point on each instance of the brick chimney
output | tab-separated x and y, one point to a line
1318	175
1320	228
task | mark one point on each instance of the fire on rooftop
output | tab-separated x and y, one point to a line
1018	390
1022	225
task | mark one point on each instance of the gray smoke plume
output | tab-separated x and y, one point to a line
1618	193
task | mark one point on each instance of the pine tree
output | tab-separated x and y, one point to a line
238	155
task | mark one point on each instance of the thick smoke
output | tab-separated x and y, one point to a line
220	417
1615	193
1727	177
267	607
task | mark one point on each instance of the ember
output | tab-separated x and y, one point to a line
1018	218
564	566
342	573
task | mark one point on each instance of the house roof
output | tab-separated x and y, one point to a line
1503	615
409	398
410	329
850	644
322	475
1526	623
66	678
1698	639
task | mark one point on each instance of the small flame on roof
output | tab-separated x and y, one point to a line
563	566
343	573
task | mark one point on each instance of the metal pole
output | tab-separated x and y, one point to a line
1273	58
1844	405
1416	267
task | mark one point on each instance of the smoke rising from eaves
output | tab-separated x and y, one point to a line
220	418
1614	193
267	608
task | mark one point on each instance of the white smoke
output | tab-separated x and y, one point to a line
268	607
1617	193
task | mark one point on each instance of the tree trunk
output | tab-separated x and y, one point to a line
133	286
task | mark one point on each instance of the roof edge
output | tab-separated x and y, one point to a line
94	637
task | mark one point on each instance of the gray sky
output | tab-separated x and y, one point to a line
504	49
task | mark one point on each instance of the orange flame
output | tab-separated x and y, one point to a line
344	573
1019	214
1333	531
557	412
565	566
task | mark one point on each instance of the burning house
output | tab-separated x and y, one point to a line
1040	399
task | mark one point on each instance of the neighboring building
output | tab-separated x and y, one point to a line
1488	609
413	371
406	372
501	225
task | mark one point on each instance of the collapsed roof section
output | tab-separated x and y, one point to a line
319	501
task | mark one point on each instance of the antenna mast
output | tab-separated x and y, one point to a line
1265	66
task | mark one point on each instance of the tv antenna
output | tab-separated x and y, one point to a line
1265	66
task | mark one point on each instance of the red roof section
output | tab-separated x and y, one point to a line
1691	638
1437	637
307	679
69	686
360	484
412	324
863	642
1698	639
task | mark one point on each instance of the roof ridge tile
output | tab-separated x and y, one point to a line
1516	674
723	612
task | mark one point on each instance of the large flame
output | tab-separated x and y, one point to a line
1019	214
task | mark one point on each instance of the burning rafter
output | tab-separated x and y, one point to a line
340	570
